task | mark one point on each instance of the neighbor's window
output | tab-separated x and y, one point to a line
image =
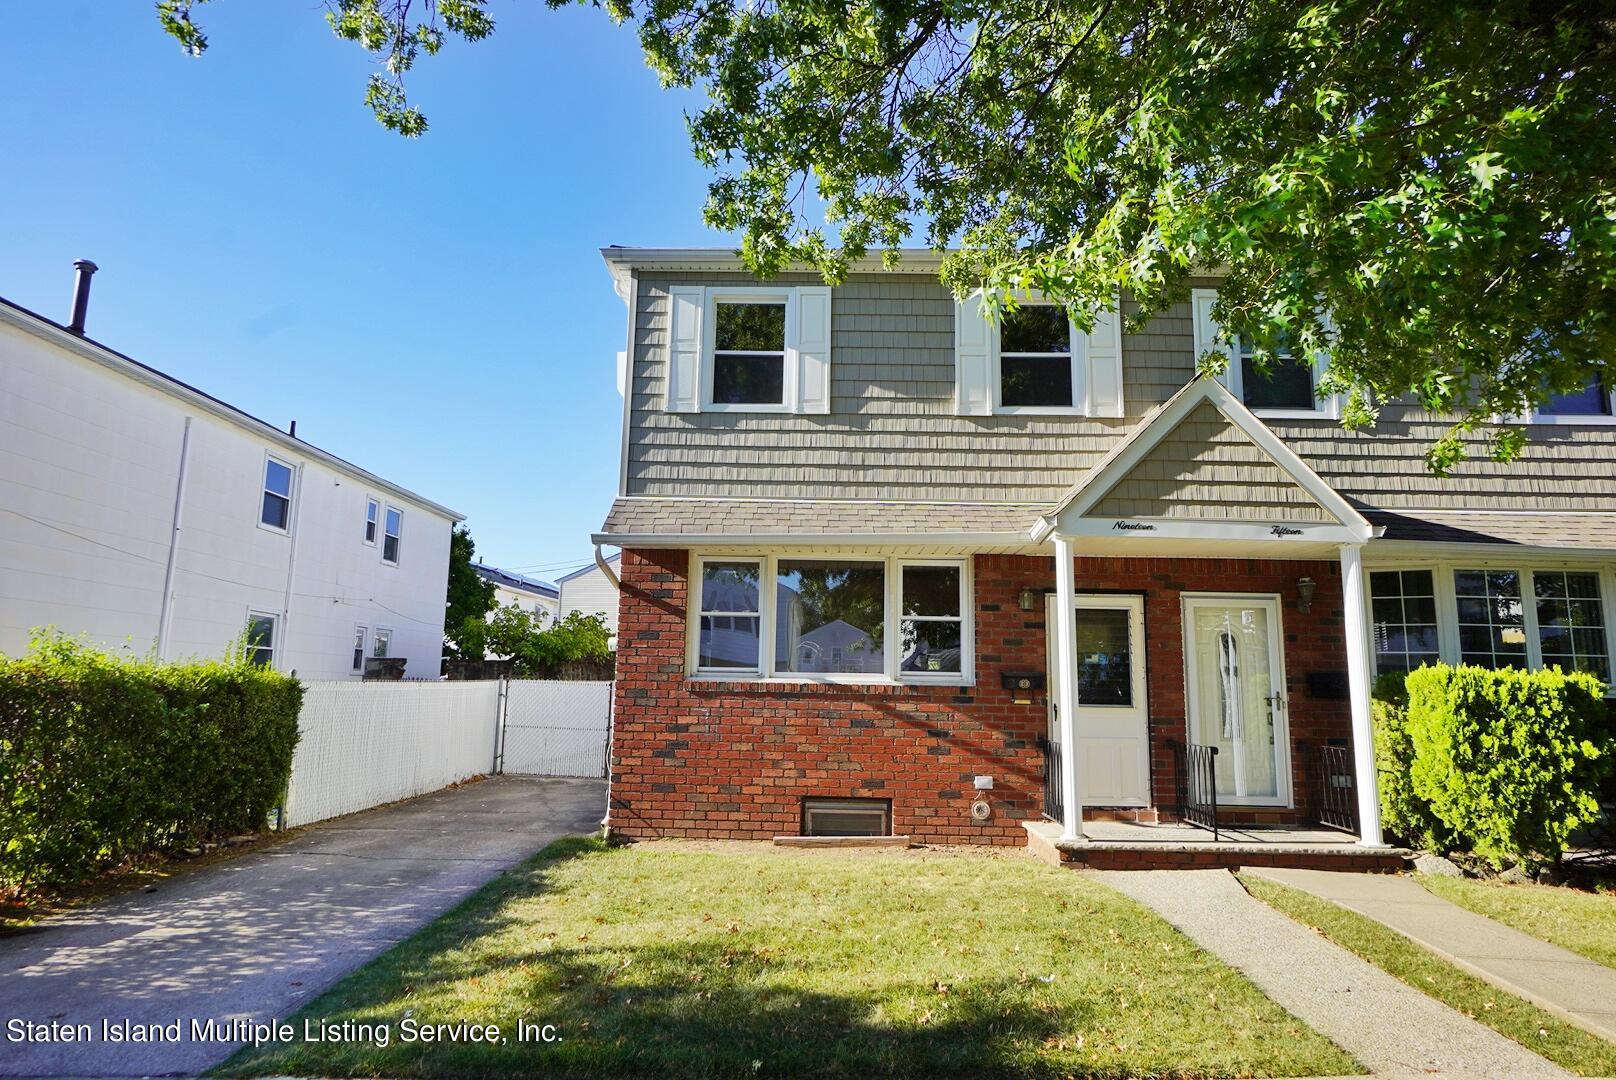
1570	622
359	648
390	537
1104	657
1035	358
1492	627
382	643
749	353
1403	604
933	620
846	817
260	638
834	617
1287	384
373	511
1592	400
276	511
731	620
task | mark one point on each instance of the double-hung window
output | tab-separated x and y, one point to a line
359	648
260	638
373	512
275	509
1595	403
871	619
749	352
748	348
1037	371
381	643
1286	385
392	535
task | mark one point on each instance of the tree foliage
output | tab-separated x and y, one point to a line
538	651
1427	189
469	600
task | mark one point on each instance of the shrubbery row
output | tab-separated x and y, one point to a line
1507	764
103	757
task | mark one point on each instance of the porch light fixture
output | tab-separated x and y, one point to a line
1026	599
1304	591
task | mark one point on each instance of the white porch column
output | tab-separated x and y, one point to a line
1355	606
1065	629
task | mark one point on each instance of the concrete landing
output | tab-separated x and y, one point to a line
1118	845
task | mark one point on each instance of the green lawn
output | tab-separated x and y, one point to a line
729	960
1564	1044
1583	922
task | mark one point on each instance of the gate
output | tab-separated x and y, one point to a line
555	728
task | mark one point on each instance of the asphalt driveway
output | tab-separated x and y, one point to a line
255	937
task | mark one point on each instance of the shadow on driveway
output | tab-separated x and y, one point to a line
257	936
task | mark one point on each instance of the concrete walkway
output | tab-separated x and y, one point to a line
1570	986
1392	1029
260	935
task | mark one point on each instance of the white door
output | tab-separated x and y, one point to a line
1112	712
1235	682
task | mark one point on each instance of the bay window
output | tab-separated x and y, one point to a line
833	619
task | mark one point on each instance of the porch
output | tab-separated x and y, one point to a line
1177	845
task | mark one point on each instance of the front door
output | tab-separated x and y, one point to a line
1235	677
1112	713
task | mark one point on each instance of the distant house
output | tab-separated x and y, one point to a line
591	592
517	590
145	514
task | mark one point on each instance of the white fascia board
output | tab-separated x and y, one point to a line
1499	550
96	353
770	540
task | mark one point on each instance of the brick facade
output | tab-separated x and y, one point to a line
734	759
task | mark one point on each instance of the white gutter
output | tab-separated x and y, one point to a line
681	540
165	615
605	568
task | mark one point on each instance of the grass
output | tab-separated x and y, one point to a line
1543	1033
1583	922
694	959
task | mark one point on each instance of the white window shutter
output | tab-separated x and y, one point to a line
1208	335
1105	363
974	337
813	349
684	348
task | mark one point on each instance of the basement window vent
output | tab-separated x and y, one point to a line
846	817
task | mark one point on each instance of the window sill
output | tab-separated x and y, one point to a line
1038	410
1591	420
272	529
741	680
716	408
1293	414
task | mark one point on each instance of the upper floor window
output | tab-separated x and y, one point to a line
260	638
373	510
276	509
1287	388
1592	402
1286	384
749	353
1035	359
392	535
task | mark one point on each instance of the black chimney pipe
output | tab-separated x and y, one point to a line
81	293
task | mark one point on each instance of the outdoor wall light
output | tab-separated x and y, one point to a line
1026	599
1304	592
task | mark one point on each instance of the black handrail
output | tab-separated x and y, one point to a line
1198	785
1054	808
1338	789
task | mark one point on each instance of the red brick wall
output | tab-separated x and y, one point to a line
735	759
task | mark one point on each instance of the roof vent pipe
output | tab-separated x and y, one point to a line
81	293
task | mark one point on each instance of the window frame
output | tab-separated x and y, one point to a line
1542	416
373	521
747	294
398	537
1233	376
361	647
291	496
701	611
768	616
1525	565
273	648
1077	358
379	634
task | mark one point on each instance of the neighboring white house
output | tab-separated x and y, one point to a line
518	590
146	515
591	592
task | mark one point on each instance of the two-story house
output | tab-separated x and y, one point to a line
147	515
890	566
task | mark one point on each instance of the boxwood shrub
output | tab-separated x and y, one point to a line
1507	763
103	757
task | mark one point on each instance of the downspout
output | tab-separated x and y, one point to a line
291	560
606	568
165	614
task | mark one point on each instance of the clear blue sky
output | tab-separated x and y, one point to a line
434	310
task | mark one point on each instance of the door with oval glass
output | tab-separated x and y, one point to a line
1235	678
1112	711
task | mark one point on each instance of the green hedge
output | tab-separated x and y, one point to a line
1507	763
103	757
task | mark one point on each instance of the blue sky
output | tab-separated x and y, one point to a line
434	310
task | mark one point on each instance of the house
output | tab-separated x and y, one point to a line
517	590
149	516
1113	590
591	592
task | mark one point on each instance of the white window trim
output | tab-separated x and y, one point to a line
263	489
1538	416
376	635
709	346
1447	604
398	550
1077	343
274	633
372	503
1209	336
892	620
363	633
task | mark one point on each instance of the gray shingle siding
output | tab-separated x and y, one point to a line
892	433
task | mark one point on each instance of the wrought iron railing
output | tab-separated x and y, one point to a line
1054	809
1197	768
1338	789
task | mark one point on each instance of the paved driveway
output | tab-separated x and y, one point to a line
259	935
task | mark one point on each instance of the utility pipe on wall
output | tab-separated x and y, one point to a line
165	614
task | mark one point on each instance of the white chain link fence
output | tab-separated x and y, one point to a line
366	744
